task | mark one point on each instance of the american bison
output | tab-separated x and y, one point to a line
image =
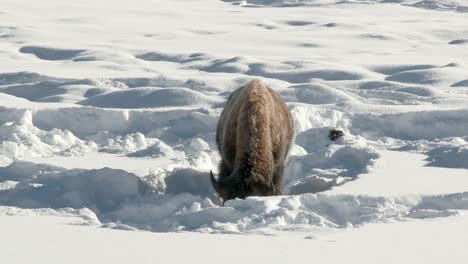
254	135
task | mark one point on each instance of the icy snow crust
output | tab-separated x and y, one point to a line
117	123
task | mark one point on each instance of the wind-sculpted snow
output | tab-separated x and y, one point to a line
150	97
25	77
53	91
441	5
50	54
413	125
87	121
316	94
116	121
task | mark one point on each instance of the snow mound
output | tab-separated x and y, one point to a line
84	213
24	171
420	91
180	58
449	157
187	180
232	65
46	91
150	97
159	81
412	125
298	73
463	83
398	68
40	88
25	77
45	53
99	190
440	5
315	94
158	149
458	41
433	76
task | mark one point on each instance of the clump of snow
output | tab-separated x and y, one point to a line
200	155
128	143
5	185
155	150
306	118
195	146
21	139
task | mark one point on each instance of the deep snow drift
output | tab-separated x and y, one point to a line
108	110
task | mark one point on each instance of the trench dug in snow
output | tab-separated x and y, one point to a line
137	193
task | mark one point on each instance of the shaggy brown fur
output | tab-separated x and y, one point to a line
254	135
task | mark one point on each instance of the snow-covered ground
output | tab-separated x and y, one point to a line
108	112
55	240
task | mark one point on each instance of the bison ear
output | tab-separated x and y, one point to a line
214	182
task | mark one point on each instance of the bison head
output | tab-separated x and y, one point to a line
240	187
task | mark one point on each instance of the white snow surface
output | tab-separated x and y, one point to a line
78	242
108	111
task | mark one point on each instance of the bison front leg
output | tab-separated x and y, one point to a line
278	179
